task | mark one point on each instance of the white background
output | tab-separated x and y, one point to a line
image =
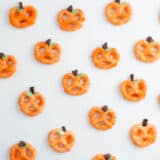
62	109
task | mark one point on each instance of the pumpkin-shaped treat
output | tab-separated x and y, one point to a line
143	135
105	57
47	52
133	89
8	65
102	118
31	103
22	151
70	19
147	50
61	140
104	157
22	16
118	13
75	83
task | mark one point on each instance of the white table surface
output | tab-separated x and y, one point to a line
70	111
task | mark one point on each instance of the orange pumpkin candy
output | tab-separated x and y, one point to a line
143	135
105	57
22	151
47	52
118	13
8	65
61	140
70	19
75	83
133	90
22	17
31	103
147	50
104	157
102	118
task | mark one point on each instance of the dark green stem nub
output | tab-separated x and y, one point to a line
105	108
117	1
2	55
132	77
63	128
149	39
75	72
21	5
145	122
70	8
32	90
105	45
107	156
48	41
22	144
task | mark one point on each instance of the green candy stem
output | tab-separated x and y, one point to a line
124	3
29	94
80	75
4	57
19	9
53	44
108	49
75	11
61	132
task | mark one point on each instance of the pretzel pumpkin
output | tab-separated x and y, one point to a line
31	103
102	118
70	19
61	140
104	157
118	13
22	151
143	135
8	65
133	90
22	17
75	83
105	57
47	52
147	50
